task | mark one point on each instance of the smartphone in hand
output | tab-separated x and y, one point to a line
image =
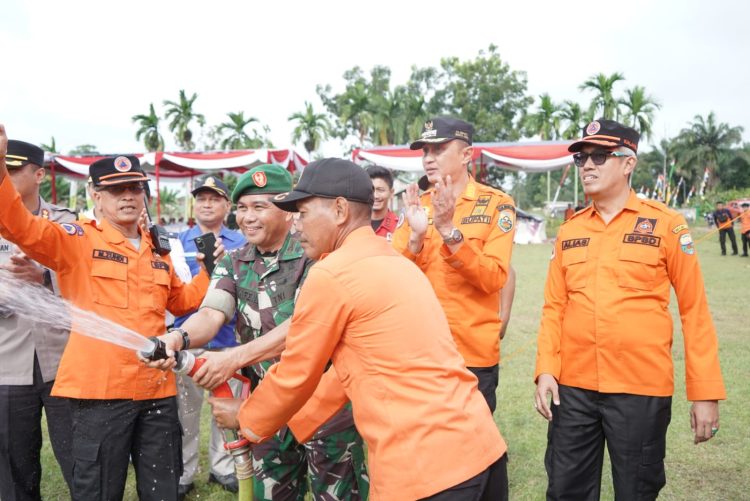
206	244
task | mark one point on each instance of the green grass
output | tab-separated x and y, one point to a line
716	470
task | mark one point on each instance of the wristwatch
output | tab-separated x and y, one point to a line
454	237
185	337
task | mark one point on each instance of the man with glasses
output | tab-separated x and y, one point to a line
120	408
604	345
460	234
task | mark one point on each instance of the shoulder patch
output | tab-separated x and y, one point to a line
679	228
506	220
72	229
686	244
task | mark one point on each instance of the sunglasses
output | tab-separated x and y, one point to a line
119	189
597	157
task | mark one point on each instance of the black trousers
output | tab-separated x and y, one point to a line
634	428
722	240
490	485
21	437
108	433
745	242
488	377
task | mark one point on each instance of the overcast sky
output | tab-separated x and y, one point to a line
78	70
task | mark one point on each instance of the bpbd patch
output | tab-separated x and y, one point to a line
160	265
640	239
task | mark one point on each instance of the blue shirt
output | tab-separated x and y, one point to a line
231	240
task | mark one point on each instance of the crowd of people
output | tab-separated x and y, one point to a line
372	339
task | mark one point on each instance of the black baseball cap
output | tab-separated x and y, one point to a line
607	133
211	183
110	171
329	178
443	129
21	153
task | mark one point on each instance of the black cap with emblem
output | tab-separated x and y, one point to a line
211	183
607	133
21	153
329	178
443	129
110	171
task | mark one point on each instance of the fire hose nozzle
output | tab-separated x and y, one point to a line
158	350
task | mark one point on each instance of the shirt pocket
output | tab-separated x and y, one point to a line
637	266
160	290
574	266
109	283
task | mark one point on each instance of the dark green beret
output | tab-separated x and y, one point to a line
267	178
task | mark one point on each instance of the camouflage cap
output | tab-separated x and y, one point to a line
267	178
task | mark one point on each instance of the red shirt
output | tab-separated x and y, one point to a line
387	226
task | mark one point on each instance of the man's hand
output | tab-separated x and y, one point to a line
225	412
443	206
546	384
219	366
413	211
143	221
173	342
704	420
23	268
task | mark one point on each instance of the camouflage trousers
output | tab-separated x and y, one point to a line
333	464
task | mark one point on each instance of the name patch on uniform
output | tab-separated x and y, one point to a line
482	218
110	256
160	265
645	225
637	238
573	243
679	228
250	297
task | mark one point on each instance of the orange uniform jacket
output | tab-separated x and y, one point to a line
468	282
606	325
418	408
99	270
745	221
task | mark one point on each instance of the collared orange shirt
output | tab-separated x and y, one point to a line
745	221
606	325
468	282
426	425
99	270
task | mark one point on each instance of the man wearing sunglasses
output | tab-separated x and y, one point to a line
604	346
120	408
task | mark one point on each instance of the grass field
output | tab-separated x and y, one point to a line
717	470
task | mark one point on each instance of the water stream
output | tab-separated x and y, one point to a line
38	304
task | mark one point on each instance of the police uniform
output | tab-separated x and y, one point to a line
263	289
29	356
606	337
121	408
221	464
468	282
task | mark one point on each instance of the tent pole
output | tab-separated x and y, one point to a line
158	194
549	177
54	182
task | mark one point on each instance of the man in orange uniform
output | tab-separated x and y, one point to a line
460	234
745	228
120	408
604	347
428	430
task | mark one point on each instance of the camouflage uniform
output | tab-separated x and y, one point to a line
265	289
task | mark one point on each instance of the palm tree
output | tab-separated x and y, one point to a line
51	147
148	129
546	121
182	114
312	128
604	100
237	138
639	110
357	110
572	114
702	143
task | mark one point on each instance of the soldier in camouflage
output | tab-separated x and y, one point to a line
261	282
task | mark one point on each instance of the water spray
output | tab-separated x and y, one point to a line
237	445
